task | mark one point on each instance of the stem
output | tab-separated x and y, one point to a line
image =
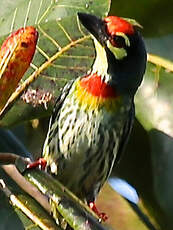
70	207
27	187
11	158
21	202
160	61
76	213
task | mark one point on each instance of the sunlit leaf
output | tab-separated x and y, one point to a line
64	52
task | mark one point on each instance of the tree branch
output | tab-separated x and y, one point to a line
154	59
27	187
76	213
29	207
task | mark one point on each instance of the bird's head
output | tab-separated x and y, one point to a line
120	51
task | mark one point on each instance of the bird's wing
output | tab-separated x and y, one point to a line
51	145
60	101
126	133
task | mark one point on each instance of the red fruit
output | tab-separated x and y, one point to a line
16	55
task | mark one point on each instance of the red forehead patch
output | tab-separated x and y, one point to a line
115	24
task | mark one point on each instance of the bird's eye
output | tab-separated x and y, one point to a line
118	41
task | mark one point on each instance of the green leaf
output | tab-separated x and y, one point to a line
38	11
149	153
147	161
64	50
156	97
56	22
11	215
10	143
146	164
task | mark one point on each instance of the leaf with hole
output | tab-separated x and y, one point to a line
64	51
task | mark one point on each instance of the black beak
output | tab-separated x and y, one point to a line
94	25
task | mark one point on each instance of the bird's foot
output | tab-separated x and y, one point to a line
41	163
101	215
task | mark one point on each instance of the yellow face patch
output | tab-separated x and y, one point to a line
119	53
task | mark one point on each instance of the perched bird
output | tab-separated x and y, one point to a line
93	116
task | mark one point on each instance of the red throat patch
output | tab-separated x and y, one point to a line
115	24
97	87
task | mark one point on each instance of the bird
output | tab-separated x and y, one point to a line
93	117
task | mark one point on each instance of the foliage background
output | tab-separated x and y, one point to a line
147	162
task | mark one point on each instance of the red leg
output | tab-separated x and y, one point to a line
41	163
101	215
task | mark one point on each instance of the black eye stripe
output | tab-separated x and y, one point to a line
118	41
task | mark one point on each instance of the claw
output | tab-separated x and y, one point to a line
41	163
101	215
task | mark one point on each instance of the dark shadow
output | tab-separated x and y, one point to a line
147	164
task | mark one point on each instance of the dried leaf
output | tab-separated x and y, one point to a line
16	54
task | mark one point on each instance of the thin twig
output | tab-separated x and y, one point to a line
10	158
160	61
8	161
